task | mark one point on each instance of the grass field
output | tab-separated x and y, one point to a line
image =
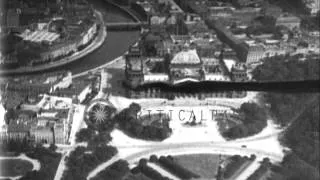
205	165
14	167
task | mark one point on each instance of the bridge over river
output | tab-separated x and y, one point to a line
125	26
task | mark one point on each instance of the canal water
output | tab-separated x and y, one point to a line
116	44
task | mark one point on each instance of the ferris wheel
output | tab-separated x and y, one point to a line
99	111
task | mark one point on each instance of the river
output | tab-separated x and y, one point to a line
115	45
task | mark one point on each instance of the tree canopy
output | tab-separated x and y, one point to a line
285	68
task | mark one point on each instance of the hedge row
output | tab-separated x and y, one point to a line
149	172
236	162
259	172
169	164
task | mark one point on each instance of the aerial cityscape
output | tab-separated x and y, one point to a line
159	89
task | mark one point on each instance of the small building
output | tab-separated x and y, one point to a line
288	21
271	10
134	66
276	48
239	72
254	54
246	3
313	6
64	82
220	12
199	6
13	18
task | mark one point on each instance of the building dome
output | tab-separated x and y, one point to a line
186	57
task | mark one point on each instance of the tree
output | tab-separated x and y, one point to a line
254	120
100	139
252	112
84	135
116	171
134	108
287	68
153	158
53	147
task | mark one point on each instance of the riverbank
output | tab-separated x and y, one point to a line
96	43
116	60
106	65
136	19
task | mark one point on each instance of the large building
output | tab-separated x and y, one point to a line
175	70
254	54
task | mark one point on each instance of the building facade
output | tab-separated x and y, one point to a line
180	69
254	54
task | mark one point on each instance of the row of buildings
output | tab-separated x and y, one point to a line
26	90
179	48
45	108
50	35
48	124
256	32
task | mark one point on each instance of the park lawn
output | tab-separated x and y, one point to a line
14	167
205	165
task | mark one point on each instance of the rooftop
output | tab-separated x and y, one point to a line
39	36
186	57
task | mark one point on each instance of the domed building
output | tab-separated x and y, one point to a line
186	66
145	75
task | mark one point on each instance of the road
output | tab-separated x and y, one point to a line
187	148
229	148
77	122
62	164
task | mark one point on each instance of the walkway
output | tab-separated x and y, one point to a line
162	171
183	149
35	163
248	171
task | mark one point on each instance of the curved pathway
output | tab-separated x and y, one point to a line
182	149
229	147
35	163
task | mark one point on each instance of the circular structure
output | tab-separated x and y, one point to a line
99	111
